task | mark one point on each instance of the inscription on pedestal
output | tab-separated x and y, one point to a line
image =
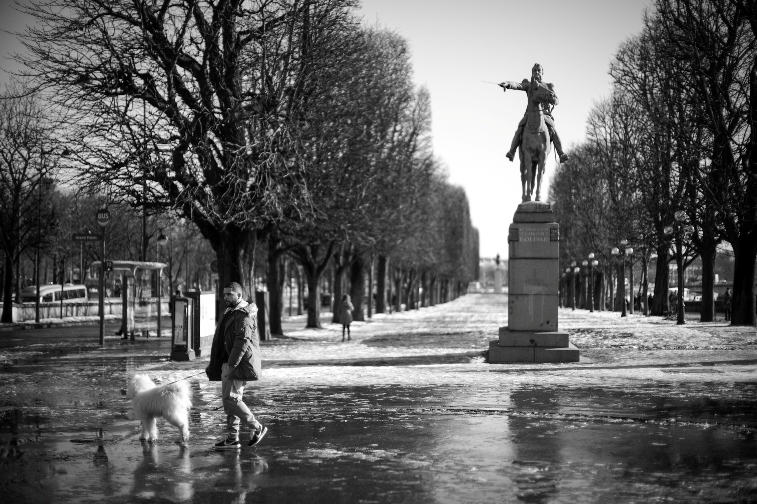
534	234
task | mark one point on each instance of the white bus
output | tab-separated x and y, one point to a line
71	293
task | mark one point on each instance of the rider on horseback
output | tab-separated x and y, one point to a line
526	86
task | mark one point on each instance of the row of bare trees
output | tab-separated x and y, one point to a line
670	160
282	123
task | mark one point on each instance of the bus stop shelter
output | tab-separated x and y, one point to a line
136	291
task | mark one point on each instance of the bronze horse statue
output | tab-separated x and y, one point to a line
536	142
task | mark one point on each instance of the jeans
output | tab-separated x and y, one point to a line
232	392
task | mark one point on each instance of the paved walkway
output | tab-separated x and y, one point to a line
409	411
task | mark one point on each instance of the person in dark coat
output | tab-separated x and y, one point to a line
727	303
235	360
345	315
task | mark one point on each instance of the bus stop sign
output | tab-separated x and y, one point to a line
103	217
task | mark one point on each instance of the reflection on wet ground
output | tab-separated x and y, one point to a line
421	425
427	442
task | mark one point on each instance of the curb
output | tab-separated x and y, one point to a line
48	325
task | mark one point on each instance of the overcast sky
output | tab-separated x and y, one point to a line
457	44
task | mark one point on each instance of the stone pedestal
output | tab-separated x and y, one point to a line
532	333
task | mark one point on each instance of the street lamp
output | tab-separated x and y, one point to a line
592	262
573	285
577	273
679	231
584	294
159	243
621	252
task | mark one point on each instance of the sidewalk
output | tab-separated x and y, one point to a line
408	411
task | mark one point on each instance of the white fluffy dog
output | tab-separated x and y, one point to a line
149	402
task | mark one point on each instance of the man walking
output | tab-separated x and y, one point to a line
235	360
727	304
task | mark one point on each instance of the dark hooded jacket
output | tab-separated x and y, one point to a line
236	342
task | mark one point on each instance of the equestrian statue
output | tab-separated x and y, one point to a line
535	131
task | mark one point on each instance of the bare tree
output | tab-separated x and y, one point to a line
28	160
716	40
189	105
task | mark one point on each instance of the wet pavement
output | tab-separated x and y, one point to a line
409	411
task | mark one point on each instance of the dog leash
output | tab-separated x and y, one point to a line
185	378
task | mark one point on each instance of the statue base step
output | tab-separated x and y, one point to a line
532	347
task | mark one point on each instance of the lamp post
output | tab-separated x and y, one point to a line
678	230
585	285
573	271
576	273
159	243
621	252
592	262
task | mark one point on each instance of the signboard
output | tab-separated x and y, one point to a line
86	237
103	217
180	319
207	314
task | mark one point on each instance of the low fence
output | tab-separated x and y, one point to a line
144	308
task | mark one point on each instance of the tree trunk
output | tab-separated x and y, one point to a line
7	316
381	285
661	279
370	288
424	289
409	292
340	264
338	293
313	264
745	247
611	294
276	276
743	307
300	289
432	291
707	254
230	245
645	284
313	306
357	287
398	288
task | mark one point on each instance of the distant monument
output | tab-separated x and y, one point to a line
532	333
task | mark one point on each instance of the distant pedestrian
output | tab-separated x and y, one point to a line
345	315
235	360
673	301
727	303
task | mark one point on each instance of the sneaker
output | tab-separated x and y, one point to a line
228	444
258	435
